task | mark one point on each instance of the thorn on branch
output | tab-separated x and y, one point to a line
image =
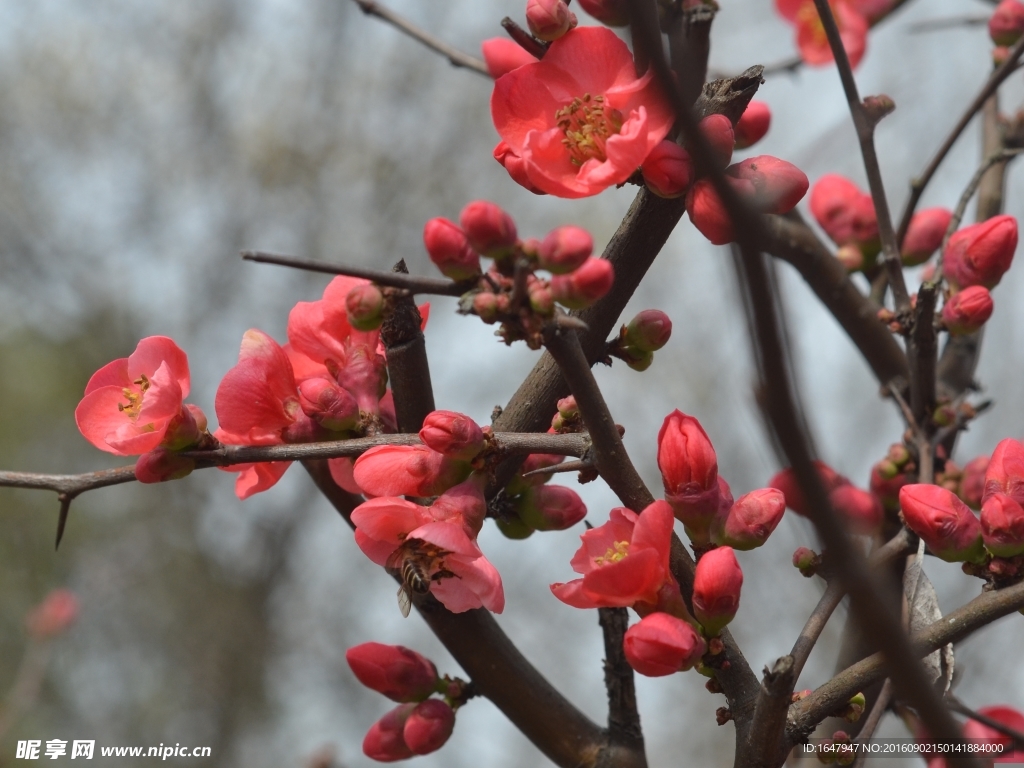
526	41
62	519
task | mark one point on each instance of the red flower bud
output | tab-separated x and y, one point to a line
585	285
750	521
786	482
862	510
972	482
753	124
845	213
550	507
649	331
946	524
385	742
455	435
981	253
549	19
668	170
450	250
429	726
54	615
397	672
565	249
1005	472
512	162
1007	23
364	306
707	212
886	481
161	465
1002	525
331	406
806	561
613	13
716	589
924	236
502	56
689	471
485	305
965	312
778	185
717	129
662	645
488	228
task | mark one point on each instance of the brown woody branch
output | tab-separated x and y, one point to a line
624	730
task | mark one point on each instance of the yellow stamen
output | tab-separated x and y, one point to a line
134	404
618	551
587	124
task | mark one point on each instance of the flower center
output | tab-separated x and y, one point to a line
134	399
615	553
587	123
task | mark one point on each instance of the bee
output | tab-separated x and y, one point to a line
416	564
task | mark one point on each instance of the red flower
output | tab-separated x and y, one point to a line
981	253
407	470
399	673
662	645
623	562
580	119
716	589
810	34
132	402
946	524
689	471
1007	716
668	170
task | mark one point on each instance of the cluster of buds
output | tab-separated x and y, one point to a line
420	724
510	293
807	561
892	473
640	338
837	751
862	510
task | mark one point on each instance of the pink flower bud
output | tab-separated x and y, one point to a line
946	524
924	235
707	212
488	228
541	300
778	185
862	510
455	435
972	482
550	507
649	330
751	520
328	404
753	124
568	408
786	482
519	484
689	471
54	615
1002	525
397	672
612	13
161	465
806	561
565	249
886	481
668	170
364	306
1007	23
965	312
414	470
661	645
485	305
429	726
845	213
716	589
584	286
718	131
981	253
548	19
1005	472
450	250
503	55
385	742
515	164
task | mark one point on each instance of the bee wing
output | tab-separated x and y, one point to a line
404	600
394	561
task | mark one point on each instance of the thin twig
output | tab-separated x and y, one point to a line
871	723
455	56
433	285
917	185
565	466
865	126
827	603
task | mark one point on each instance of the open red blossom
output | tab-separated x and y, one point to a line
1005	471
946	524
810	34
716	589
257	403
131	403
399	673
661	645
580	119
624	561
407	470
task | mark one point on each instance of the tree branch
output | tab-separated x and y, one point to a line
456	57
623	717
765	742
408	370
